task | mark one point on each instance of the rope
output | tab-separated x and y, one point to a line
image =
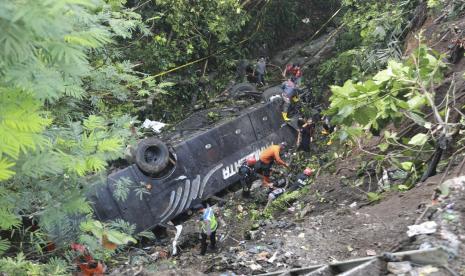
236	44
313	36
204	58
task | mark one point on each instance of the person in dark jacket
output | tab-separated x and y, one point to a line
301	180
247	173
305	135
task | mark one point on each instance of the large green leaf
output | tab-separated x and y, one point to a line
119	238
365	114
406	166
418	140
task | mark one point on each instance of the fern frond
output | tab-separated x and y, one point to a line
95	164
77	205
4	245
94	122
42	164
64	53
5	165
14	42
56	266
92	38
20	122
110	145
8	219
123	226
121	188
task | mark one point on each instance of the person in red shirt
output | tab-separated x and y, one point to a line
267	159
293	70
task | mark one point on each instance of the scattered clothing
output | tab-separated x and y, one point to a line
275	193
300	182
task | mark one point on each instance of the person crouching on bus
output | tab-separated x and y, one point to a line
267	159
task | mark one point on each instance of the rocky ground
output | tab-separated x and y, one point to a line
331	221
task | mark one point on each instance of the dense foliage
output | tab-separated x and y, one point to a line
76	76
372	34
60	122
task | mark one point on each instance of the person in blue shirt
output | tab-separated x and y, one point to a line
289	95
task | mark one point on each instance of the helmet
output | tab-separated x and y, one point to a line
283	145
251	161
308	171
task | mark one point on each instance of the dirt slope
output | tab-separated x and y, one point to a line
334	222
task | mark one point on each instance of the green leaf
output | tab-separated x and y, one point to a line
417	102
406	166
403	187
416	118
119	238
365	114
383	146
346	111
93	226
383	76
372	197
418	140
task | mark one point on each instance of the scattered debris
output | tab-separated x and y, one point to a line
371	252
399	267
426	270
273	258
153	125
255	266
175	240
306	210
263	256
427	227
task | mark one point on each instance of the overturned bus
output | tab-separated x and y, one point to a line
182	170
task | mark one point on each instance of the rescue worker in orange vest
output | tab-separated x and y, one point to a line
267	159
